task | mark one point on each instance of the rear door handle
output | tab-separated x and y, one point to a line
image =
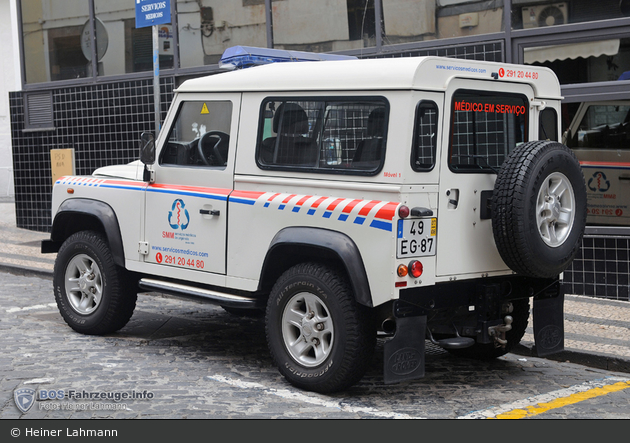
210	212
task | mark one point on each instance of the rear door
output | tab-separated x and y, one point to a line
484	122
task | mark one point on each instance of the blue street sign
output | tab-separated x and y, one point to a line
152	12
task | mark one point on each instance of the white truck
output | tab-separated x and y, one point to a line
415	199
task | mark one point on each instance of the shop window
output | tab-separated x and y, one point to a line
599	134
531	14
584	62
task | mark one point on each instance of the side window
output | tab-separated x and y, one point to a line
323	135
485	128
548	128
604	127
200	135
425	136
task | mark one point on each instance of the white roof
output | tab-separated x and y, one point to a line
404	73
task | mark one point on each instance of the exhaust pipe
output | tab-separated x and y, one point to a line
389	325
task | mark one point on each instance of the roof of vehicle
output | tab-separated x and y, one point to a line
404	73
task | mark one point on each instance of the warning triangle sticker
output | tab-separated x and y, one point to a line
204	110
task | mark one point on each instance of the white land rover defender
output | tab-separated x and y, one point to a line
415	198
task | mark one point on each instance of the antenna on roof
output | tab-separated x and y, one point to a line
241	57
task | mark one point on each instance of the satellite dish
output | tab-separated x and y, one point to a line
102	41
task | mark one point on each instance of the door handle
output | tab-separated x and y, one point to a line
210	212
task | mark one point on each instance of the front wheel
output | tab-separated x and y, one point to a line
93	294
320	338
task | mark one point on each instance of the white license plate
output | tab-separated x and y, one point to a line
416	237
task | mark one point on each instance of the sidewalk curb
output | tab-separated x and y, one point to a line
590	359
26	271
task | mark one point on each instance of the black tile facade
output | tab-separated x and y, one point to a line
102	122
600	269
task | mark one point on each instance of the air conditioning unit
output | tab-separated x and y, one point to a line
545	15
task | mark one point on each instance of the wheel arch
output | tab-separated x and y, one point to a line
81	214
300	244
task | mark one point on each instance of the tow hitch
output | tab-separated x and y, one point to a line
498	332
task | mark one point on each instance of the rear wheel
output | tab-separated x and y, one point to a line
320	338
93	294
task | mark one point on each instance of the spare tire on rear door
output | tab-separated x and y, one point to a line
539	209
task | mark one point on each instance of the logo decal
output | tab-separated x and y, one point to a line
598	182
178	216
24	398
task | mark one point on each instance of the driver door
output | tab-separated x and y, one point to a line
186	205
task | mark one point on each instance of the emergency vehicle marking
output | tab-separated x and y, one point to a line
194	191
100	183
381	218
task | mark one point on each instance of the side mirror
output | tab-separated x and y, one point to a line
147	148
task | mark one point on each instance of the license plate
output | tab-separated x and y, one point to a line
416	238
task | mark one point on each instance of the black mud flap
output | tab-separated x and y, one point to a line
404	353
549	325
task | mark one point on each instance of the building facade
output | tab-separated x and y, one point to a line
87	82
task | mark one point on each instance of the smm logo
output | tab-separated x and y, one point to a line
598	182
178	216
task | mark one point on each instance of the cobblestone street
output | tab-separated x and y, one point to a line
198	361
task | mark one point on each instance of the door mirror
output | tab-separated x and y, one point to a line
147	148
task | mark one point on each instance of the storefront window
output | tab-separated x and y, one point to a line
599	133
528	14
323	26
121	48
584	62
208	27
52	37
418	20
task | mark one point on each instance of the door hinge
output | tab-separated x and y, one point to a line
143	247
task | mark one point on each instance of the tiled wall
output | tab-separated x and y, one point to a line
601	269
102	122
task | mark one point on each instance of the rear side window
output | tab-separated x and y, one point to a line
328	135
486	127
548	127
425	137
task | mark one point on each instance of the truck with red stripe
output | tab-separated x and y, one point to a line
412	201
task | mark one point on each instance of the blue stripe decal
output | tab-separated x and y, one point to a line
359	220
343	217
192	194
281	207
385	226
242	201
327	214
133	188
296	209
311	211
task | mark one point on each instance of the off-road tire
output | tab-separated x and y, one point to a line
347	327
117	290
535	172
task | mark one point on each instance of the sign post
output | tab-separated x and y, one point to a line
153	13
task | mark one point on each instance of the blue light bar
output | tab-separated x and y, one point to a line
240	57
